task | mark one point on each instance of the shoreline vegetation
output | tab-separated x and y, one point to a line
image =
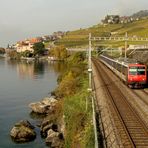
67	118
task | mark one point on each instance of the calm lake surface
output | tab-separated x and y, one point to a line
20	84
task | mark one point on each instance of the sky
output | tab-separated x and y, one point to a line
21	19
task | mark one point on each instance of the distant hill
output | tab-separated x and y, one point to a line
140	14
79	38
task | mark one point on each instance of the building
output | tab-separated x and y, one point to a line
111	19
27	45
23	46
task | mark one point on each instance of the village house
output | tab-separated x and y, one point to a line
111	19
27	45
126	19
116	19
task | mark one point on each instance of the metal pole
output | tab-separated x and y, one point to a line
89	63
125	56
111	50
89	53
94	122
90	89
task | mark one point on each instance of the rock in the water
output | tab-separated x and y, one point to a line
54	139
39	107
46	126
23	132
25	123
45	106
49	101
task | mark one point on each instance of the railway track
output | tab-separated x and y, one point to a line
131	129
141	98
145	92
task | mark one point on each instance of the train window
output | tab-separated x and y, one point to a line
141	70
134	70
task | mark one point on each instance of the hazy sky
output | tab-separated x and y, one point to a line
20	19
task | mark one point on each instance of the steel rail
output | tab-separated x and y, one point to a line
145	92
146	102
133	131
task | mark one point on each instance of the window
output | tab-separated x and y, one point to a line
141	70
137	70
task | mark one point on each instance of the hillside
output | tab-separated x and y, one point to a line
79	38
140	14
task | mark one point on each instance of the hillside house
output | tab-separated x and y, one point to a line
23	46
111	19
27	45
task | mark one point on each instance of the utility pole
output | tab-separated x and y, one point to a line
125	55
90	90
89	63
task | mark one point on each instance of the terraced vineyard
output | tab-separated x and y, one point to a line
79	37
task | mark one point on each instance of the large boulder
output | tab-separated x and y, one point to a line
39	107
44	106
23	132
49	101
54	139
51	131
46	126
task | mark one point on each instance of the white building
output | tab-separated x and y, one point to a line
23	47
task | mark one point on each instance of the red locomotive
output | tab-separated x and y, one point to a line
132	73
137	75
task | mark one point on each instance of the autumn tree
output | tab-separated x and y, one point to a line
2	50
14	55
59	52
68	85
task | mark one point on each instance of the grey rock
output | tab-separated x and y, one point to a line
39	107
54	139
49	101
23	132
44	106
46	126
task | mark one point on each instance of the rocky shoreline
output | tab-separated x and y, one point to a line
50	129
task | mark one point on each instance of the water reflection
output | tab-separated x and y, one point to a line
58	66
25	70
39	67
36	69
18	89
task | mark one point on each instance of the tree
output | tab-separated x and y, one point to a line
116	19
2	50
59	52
39	48
68	85
14	55
27	53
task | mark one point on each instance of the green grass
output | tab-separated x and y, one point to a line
73	85
79	127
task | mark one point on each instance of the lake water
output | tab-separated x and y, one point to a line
20	84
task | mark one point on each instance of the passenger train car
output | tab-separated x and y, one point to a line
132	73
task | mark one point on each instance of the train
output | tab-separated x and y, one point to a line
133	73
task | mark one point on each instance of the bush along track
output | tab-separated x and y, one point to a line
74	109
